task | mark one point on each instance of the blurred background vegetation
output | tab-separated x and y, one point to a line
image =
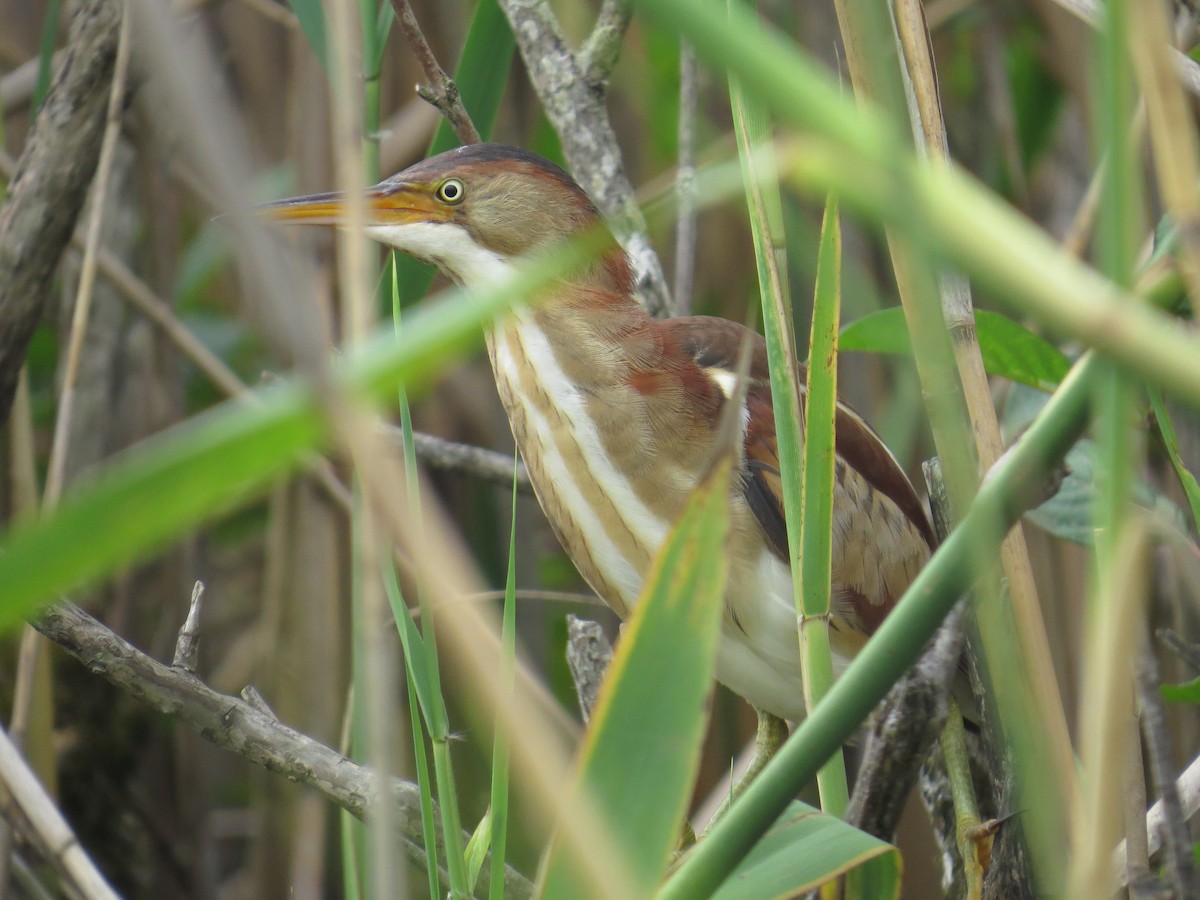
162	811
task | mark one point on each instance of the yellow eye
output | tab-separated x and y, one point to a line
451	191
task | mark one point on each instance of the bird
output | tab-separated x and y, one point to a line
616	414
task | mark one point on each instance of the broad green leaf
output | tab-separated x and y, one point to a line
311	18
1188	692
806	849
642	750
1009	349
1037	95
1069	513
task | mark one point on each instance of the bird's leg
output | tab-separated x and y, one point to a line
768	738
772	731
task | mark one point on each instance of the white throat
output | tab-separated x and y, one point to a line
450	248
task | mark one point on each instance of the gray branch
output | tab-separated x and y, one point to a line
1176	839
576	110
465	459
598	56
244	728
51	182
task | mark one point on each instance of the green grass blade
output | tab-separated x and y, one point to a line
500	751
351	835
428	813
816	522
477	850
1166	429
424	668
753	130
642	749
46	53
384	19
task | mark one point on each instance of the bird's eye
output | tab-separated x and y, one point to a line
451	191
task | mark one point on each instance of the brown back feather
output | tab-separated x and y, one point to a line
714	343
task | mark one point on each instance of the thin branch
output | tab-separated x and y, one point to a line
17	86
1187	68
1189	653
466	459
1188	790
48	190
598	56
63	850
187	647
241	727
439	90
1173	826
579	116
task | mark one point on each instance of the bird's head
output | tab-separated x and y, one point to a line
471	211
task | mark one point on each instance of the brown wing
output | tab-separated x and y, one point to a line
714	344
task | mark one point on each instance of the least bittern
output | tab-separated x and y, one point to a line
616	414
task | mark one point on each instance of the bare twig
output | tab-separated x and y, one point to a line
1173	826
685	180
53	174
241	727
251	695
1189	70
901	733
579	116
187	647
439	89
62	848
1188	790
541	596
588	655
1189	653
598	56
17	86
466	459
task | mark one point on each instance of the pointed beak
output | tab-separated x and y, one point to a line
388	203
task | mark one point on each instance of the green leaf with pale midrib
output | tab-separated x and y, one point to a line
642	750
806	849
1009	349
